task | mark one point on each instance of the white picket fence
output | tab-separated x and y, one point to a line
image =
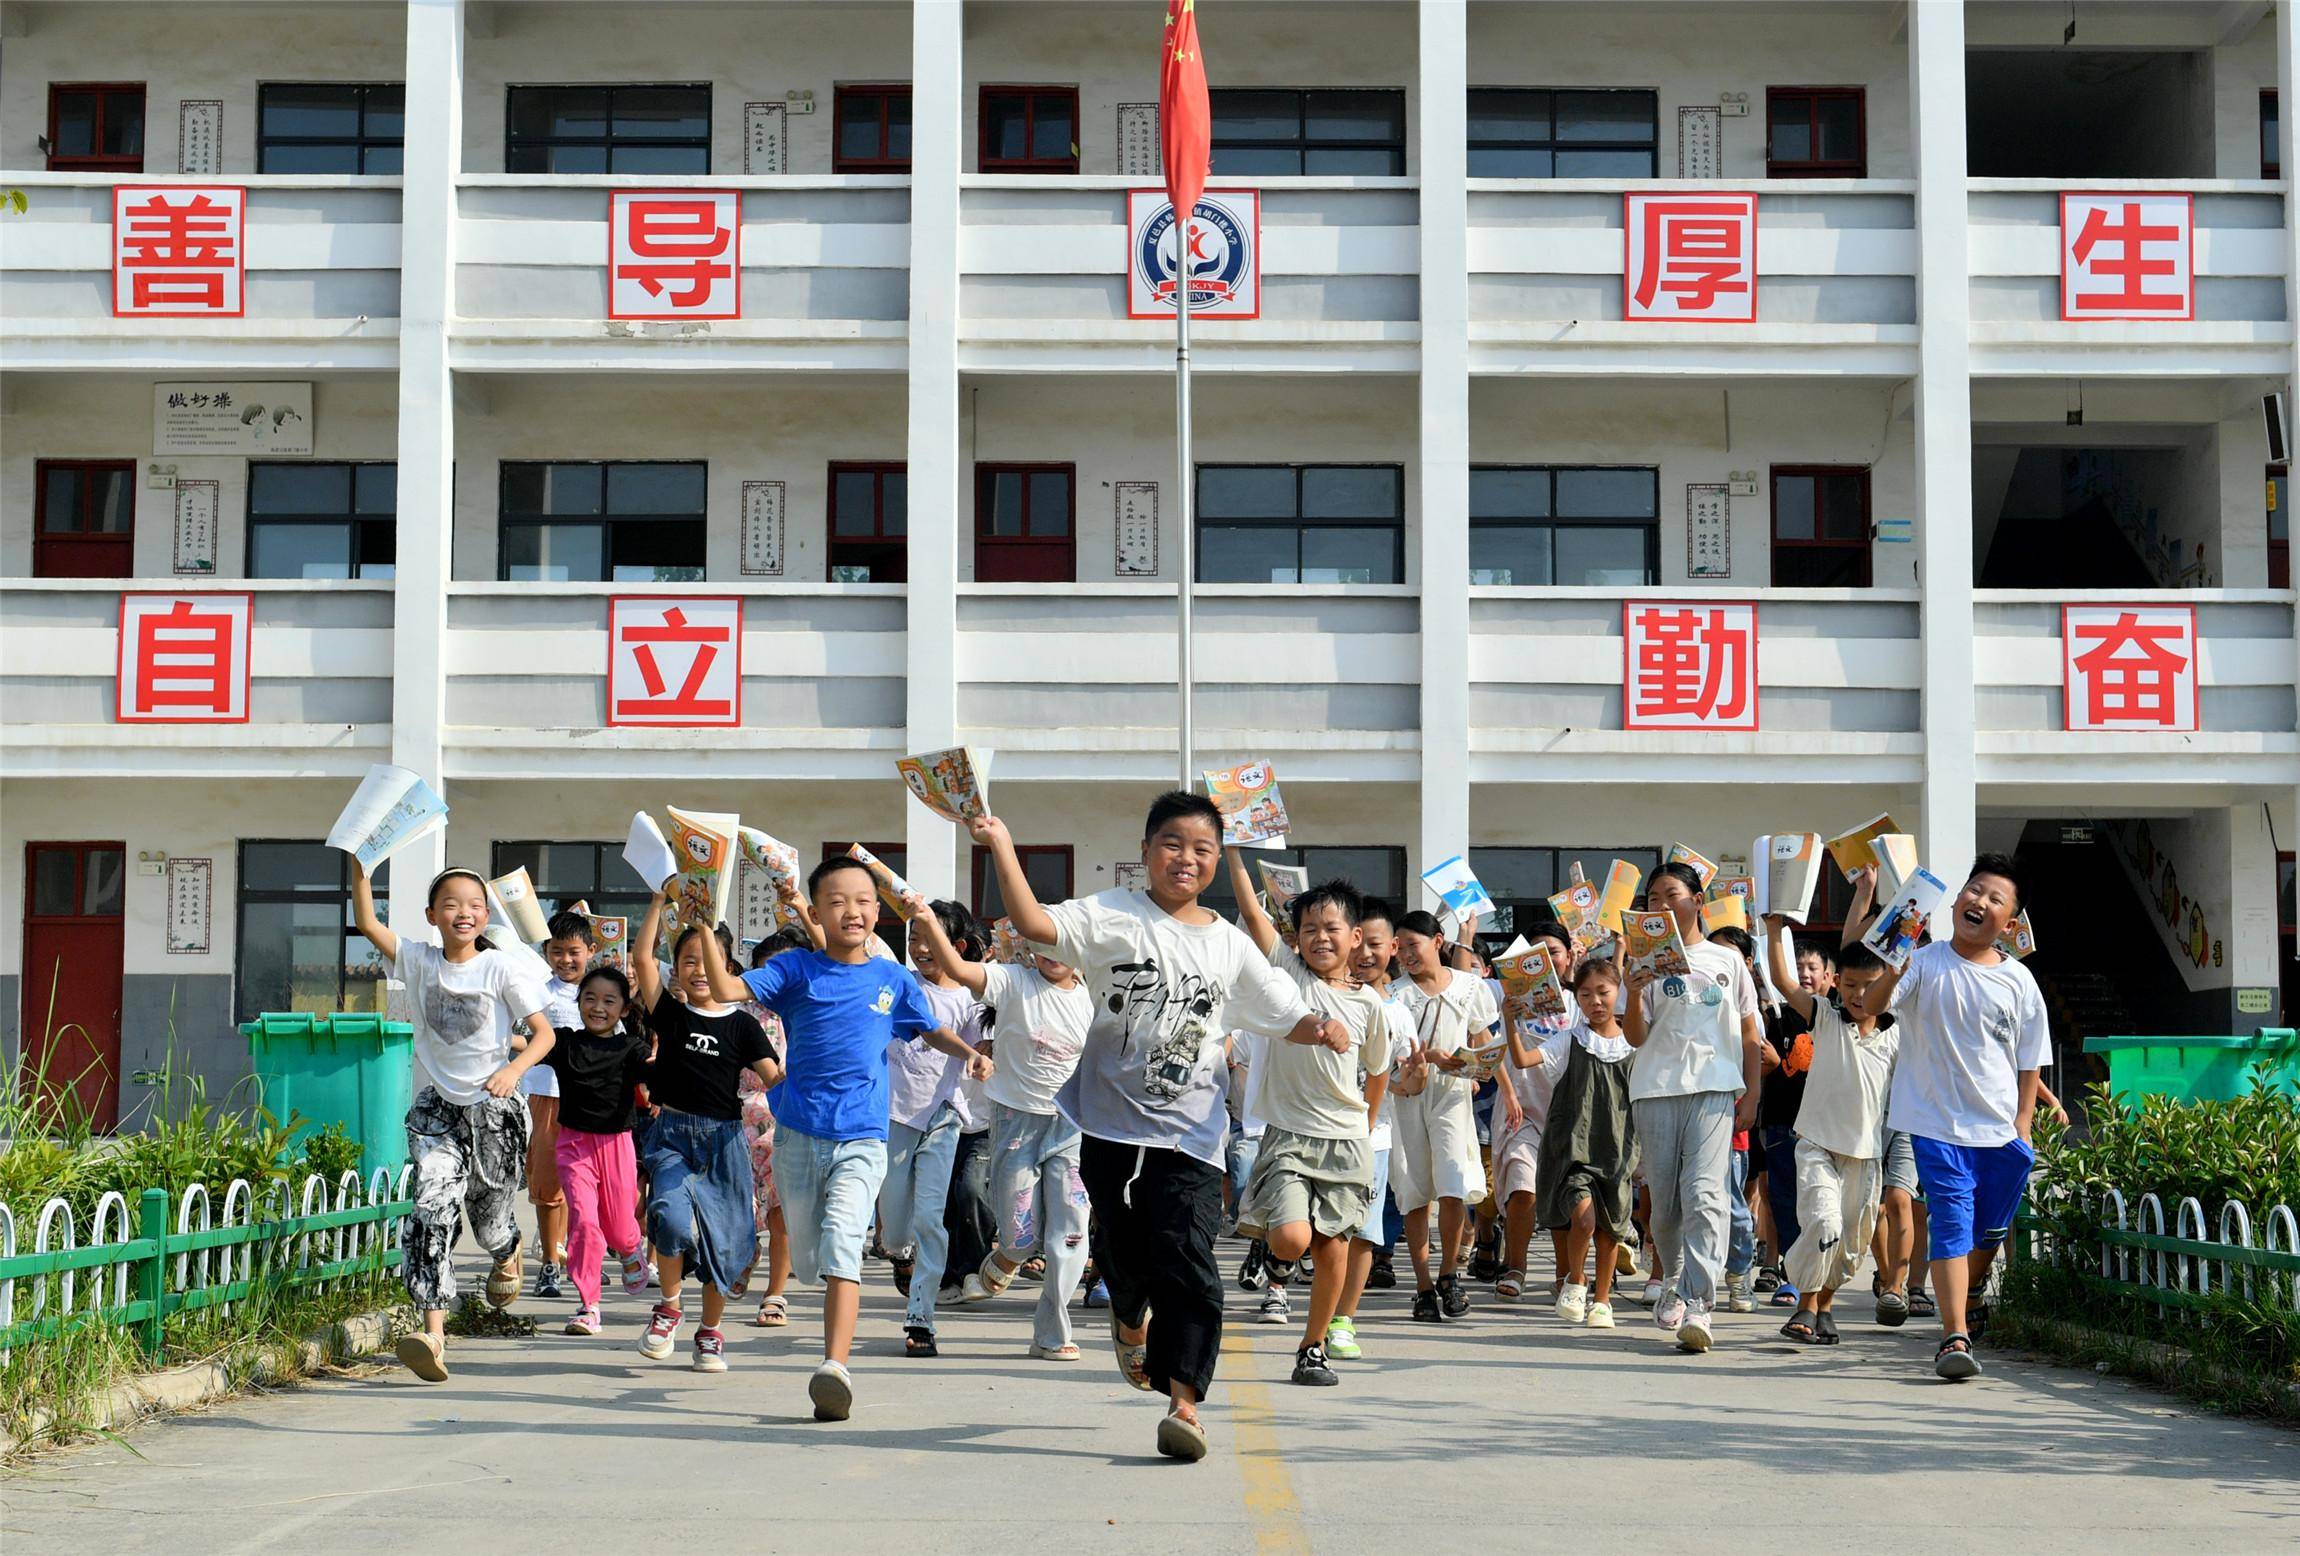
2188	1255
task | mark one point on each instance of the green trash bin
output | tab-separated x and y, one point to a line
2198	1069
356	1069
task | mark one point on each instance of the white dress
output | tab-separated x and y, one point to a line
1433	1150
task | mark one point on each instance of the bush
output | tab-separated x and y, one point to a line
2247	1149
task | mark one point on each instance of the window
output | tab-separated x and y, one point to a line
1029	129
86	518
1375	870
1317	524
608	129
321	520
871	130
1022	523
1816	132
1047	867
2279	527
870	523
2287	939
567	873
1559	134
1263	134
330	127
603	522
96	128
896	858
297	949
1570	526
1820	527
1522	880
2271	155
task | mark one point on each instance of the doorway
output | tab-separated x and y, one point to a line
73	940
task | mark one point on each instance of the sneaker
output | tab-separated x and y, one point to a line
832	1391
1383	1276
585	1321
710	1351
1310	1368
637	1274
1254	1269
1573	1304
1274	1309
1600	1316
662	1328
1451	1297
1342	1340
1669	1311
1738	1296
1426	1308
1098	1295
1693	1333
1652	1292
654	1276
547	1281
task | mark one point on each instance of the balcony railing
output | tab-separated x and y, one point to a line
319	692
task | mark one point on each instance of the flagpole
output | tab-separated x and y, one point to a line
1184	679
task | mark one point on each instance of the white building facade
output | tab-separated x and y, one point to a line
1454	497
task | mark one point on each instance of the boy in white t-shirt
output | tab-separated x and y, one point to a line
1973	1041
1694	1086
1314	1176
1840	1158
1168	978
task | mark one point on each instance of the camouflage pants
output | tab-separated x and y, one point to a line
470	1162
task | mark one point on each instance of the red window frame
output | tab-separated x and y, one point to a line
1816	166
82	552
1033	95
878	546
2279	551
875	96
2270	165
983	872
104	91
1023	558
1868	523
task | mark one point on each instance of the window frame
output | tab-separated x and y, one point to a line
844	95
606	139
362	142
878	470
1555	521
605	520
2271	111
1301	142
1817	166
1054	166
2279	551
986	474
982	873
98	162
1299	522
1552	145
242	897
356	522
118	547
1866	545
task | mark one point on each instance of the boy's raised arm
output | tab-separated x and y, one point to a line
972	976
1031	921
363	916
1251	918
1777	942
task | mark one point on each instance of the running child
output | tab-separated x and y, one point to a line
759	1129
1585	1185
1527	1086
1434	1158
567	949
1168	978
1369	1261
467	1128
600	1064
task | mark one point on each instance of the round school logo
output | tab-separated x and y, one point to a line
1673	986
1223	266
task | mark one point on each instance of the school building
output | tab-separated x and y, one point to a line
1616	423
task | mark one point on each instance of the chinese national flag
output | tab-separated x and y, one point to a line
1185	123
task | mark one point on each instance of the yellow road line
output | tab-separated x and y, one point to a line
1275	1513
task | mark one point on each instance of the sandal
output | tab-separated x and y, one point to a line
1064	1352
1804	1327
1133	1356
918	1341
1426	1308
1922	1305
1825	1329
1033	1268
774	1312
1511	1286
901	1268
1892	1308
1976	1319
503	1280
1786	1295
1955	1360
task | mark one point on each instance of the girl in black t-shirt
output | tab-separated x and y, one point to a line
600	1065
698	1161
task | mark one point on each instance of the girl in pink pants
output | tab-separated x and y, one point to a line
599	1068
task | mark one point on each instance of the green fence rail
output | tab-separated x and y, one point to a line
2139	1255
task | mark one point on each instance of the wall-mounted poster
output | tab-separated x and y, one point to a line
199	508
762	530
1137	530
191	906
1139	155
1708	530
766	138
1700	136
200	136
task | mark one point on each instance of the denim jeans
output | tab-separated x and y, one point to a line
973	1230
1239	1156
911	1204
1741	1245
1781	1184
828	1189
1040	1203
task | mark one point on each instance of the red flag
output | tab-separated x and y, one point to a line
1185	122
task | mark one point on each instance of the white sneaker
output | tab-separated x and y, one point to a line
1693	1333
973	1290
1600	1315
1573	1303
1652	1293
831	1392
1739	1295
1274	1308
1670	1310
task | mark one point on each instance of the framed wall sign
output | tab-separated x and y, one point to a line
1137	529
762	530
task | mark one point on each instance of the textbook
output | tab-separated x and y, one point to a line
516	895
703	853
1281	884
1896	863
1724	909
613	933
2019	938
1530	983
1006	942
1703	865
648	853
892	888
772	885
953	784
391	808
1253	811
1652	941
1788	870
1620	894
1576	909
1456	885
1853	850
1897	929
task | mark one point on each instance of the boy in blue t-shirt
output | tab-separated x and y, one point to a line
840	1008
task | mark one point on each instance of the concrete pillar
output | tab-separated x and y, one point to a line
1944	435
1443	130
426	521
937	484
2288	93
2250	860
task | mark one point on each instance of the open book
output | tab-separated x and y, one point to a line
391	808
516	894
1854	850
703	850
1530	982
770	884
1456	885
953	784
1253	811
1651	941
892	888
1901	924
1788	869
1281	884
1703	865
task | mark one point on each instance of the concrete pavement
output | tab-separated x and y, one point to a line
1505	1430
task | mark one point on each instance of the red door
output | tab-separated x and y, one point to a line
86	523
72	954
1023	530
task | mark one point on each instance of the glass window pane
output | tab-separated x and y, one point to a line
854	500
124	123
554	553
568	870
898	127
1246	491
300	551
656	488
1006	127
75	124
1351	492
1602	557
1606	494
100	882
1354	116
112	501
1793	507
299	488
1255	161
1509	162
386	113
1049	503
2280	516
311	110
1616	116
1524	874
1380	871
859	133
894	503
553	489
1509	554
1052	136
1792	130
375	488
1840	129
1357	555
1841	517
343	158
274	867
548	111
658	551
1605	164
1259	555
591	158
60	509
645	158
662	113
1255	115
289	955
55	875
532	159
1508	494
1006	503
1352	162
1496	115
2269	151
377	541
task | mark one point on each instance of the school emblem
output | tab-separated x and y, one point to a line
1224	264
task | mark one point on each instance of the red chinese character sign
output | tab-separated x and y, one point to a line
184	658
178	251
674	662
2127	256
674	254
1688	666
1689	258
2128	667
